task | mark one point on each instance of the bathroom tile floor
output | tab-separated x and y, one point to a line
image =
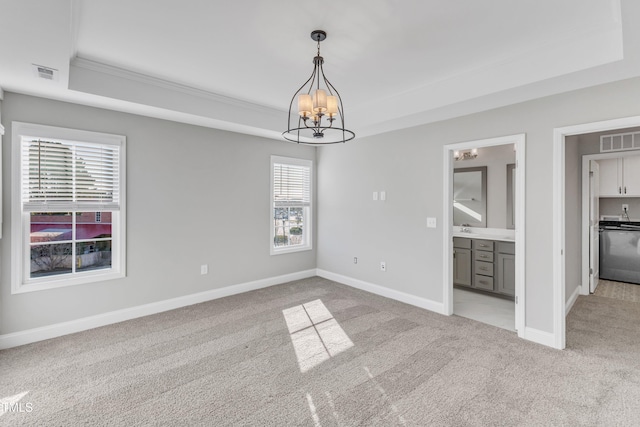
484	308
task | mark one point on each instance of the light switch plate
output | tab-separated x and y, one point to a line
431	223
375	195
383	195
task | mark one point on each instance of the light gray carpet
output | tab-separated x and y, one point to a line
233	361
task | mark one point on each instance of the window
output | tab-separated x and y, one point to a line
290	205
69	200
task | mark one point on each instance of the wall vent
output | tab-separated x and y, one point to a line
620	142
45	72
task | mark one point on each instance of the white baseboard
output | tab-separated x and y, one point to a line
540	337
572	300
51	331
427	304
530	334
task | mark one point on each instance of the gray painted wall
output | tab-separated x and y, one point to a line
496	160
194	196
408	165
613	206
188	161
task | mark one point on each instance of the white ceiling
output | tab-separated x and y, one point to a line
235	65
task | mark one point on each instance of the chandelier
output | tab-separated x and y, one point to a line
320	111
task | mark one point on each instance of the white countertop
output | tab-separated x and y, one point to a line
487	234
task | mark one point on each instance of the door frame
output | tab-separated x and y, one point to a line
586	260
519	205
559	261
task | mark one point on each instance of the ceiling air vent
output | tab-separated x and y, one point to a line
45	72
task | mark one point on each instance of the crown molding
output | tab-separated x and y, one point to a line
123	89
123	73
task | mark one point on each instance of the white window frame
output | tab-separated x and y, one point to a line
20	223
308	223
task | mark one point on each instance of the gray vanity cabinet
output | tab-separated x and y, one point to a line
486	265
506	268
483	264
461	261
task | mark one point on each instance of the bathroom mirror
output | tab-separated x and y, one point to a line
470	196
511	195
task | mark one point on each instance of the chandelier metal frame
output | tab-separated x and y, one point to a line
320	116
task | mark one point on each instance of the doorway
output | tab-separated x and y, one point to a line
518	214
613	208
562	304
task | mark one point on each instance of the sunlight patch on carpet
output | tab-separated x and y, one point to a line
315	334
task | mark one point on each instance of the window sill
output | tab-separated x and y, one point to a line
63	282
290	250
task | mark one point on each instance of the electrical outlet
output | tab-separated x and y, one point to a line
355	259
204	269
625	207
431	222
383	266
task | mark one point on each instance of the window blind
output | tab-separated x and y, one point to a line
69	175
291	185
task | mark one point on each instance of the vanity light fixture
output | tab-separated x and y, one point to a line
320	111
465	155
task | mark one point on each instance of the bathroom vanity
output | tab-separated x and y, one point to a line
486	264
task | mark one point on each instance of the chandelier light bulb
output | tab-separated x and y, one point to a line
319	101
304	105
332	106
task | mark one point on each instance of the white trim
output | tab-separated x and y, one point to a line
539	337
586	261
572	300
559	135
447	231
46	332
558	242
308	220
520	218
585	290
122	73
425	303
19	233
520	142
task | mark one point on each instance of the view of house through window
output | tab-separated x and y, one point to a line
54	235
70	200
291	204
